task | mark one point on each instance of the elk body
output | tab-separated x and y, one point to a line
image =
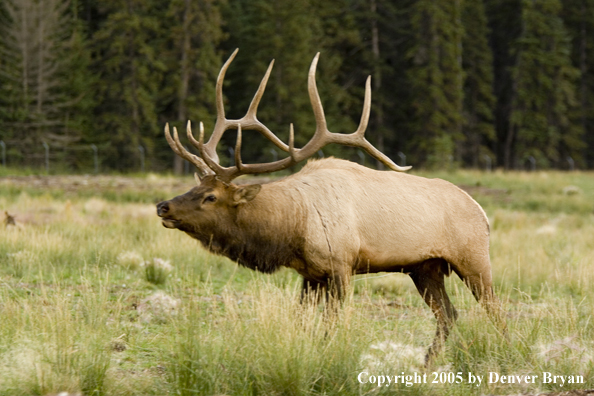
335	218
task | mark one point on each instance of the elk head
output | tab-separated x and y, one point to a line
215	197
209	204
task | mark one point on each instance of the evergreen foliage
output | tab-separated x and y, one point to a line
505	22
194	33
479	100
264	31
579	22
40	100
452	81
130	68
545	79
436	77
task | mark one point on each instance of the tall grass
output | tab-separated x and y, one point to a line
54	339
265	343
79	313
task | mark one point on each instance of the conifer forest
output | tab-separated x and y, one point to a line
455	83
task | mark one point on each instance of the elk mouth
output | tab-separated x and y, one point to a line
163	210
170	223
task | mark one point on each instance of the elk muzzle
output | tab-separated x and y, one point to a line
164	212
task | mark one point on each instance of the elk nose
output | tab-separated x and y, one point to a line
162	208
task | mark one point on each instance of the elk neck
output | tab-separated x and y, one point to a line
265	233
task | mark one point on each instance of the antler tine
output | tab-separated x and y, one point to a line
190	135
180	150
253	109
237	153
219	88
172	142
366	109
378	155
228	174
221	123
250	120
314	97
214	166
211	162
359	134
322	135
292	142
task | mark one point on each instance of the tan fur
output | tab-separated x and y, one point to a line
336	218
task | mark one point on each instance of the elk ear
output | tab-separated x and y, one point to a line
246	194
197	178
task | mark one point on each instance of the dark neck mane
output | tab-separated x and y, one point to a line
263	255
264	242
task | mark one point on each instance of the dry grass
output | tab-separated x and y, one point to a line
79	313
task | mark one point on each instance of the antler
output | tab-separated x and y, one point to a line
323	136
209	163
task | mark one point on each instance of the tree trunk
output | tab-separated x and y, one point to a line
583	75
378	116
182	111
509	141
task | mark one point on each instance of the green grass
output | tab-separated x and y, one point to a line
543	191
82	310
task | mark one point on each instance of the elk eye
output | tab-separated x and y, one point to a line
210	198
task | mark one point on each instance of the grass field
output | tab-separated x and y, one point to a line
97	297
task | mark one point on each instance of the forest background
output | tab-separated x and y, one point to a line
506	83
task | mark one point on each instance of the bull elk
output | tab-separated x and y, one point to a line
334	218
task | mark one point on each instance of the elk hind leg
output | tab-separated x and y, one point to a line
481	284
429	278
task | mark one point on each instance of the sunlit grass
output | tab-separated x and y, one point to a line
80	313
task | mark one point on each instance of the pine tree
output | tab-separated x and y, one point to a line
79	84
393	118
291	32
544	79
36	62
8	76
479	100
436	79
343	71
193	58
578	16
130	67
264	30
505	22
385	31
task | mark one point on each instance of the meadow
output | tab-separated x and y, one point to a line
97	297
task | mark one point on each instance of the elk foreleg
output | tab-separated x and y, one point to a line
337	285
429	279
312	291
333	288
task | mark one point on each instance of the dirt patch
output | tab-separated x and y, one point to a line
75	183
97	183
